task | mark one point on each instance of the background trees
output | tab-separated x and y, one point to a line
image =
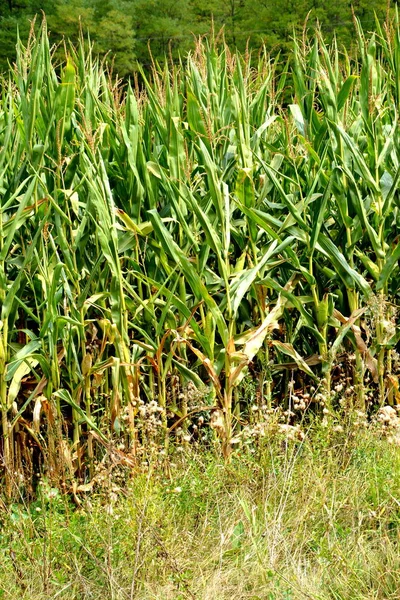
126	28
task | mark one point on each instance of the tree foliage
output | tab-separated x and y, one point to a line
126	29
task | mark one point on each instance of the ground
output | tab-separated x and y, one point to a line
285	519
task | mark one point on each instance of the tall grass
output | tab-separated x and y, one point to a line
319	520
193	231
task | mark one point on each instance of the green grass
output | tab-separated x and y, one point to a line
317	519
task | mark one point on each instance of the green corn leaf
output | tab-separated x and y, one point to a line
199	289
390	265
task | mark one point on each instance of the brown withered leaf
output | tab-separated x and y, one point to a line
370	361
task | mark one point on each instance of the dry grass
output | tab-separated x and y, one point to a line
317	519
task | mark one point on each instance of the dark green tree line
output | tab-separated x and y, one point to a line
126	29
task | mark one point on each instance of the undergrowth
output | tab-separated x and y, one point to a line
287	519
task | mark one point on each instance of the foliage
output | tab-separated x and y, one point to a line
126	28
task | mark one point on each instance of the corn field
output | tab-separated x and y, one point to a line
220	236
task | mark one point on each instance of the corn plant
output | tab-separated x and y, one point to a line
191	226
